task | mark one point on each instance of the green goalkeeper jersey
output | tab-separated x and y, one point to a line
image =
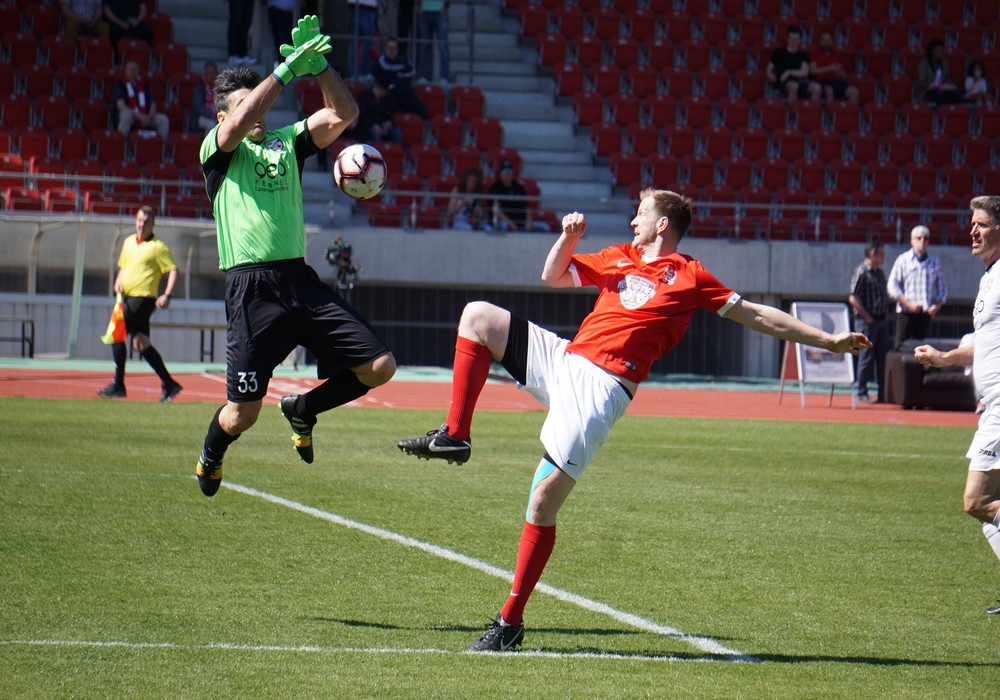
256	195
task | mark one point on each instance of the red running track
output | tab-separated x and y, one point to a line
497	396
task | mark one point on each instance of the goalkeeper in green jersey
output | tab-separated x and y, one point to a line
274	301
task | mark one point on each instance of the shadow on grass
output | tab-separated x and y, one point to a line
671	656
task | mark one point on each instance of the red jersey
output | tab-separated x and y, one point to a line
642	309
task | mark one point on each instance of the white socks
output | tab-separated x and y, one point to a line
992	532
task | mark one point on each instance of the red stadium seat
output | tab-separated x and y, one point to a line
696	111
973	150
468	101
937	148
677	80
425	159
771	113
53	111
789	143
22	199
89	175
127	176
606	78
717	141
917	117
411	126
679	139
880	117
661	168
661	109
826	144
70	143
626	168
109	145
12	171
921	177
605	138
642	137
31	141
883	176
21	49
462	158
736	171
867	205
625	108
92	114
59	199
161	24
95	53
604	22
486	132
407	189
624	50
808	114
809	173
699	169
569	78
752	142
76	82
433	96
173	57
713	82
183	148
59	50
587	49
165	177
37	79
843	115
448	130
384	215
900	147
831	203
551	48
569	19
135	50
643	79
588	107
847	175
771	173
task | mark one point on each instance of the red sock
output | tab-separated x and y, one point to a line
472	366
532	555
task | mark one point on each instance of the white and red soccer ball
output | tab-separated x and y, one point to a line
359	171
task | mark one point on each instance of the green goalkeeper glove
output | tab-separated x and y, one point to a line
306	31
307	28
303	60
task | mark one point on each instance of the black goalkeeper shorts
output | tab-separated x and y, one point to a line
273	307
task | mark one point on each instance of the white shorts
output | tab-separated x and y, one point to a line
985	447
583	400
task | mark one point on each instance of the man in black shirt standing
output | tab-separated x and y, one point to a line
870	300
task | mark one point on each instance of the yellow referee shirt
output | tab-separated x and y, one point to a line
142	264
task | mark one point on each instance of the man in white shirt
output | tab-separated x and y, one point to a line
982	486
917	285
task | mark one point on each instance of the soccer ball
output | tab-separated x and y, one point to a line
360	171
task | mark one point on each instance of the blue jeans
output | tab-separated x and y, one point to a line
433	24
362	26
871	361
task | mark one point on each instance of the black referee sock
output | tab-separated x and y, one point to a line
217	440
152	356
119	354
335	391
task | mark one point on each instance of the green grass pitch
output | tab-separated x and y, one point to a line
835	560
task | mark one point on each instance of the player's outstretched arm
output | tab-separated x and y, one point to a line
767	319
930	356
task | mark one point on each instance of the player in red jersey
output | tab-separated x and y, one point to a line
647	295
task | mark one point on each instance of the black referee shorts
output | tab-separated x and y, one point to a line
137	313
273	307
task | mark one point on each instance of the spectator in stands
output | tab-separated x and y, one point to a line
203	111
788	69
377	109
466	209
127	20
827	67
934	83
432	25
977	87
397	72
84	17
281	18
238	32
363	21
512	214
917	285
135	106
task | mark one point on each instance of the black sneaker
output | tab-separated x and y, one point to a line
302	432
112	391
209	473
499	637
169	392
995	610
439	445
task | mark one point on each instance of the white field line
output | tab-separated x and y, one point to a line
346	650
703	643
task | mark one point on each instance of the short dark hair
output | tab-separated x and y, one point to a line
872	246
989	204
676	207
231	80
150	214
793	29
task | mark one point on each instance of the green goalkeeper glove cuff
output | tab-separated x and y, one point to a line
283	74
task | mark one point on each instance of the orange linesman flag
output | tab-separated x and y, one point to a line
116	332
